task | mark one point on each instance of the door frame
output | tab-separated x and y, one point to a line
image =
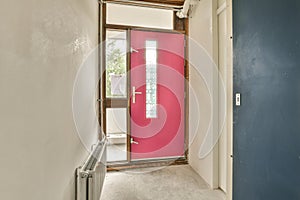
179	26
229	93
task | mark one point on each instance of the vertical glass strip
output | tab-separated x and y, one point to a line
151	79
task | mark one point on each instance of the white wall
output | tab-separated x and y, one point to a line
201	32
42	45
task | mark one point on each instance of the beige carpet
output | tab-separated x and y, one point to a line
168	183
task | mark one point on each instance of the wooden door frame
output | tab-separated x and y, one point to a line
179	26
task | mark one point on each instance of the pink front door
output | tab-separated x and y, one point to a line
157	95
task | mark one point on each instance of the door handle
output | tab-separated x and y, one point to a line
134	93
132	50
132	141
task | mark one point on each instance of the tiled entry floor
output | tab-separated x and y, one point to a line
168	183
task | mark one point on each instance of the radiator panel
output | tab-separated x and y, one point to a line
89	182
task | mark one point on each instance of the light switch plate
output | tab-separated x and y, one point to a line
238	99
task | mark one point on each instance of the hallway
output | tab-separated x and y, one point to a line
172	182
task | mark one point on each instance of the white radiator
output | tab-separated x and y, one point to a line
90	177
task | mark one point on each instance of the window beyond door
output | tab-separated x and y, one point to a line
116	45
139	16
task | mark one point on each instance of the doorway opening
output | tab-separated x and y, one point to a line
144	63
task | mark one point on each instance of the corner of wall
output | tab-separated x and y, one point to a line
201	30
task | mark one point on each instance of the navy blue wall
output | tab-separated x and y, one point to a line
267	74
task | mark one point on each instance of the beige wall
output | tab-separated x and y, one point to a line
43	43
201	34
223	69
212	32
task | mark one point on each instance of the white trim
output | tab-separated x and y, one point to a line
229	195
166	159
221	8
143	4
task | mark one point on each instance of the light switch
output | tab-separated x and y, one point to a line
238	99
